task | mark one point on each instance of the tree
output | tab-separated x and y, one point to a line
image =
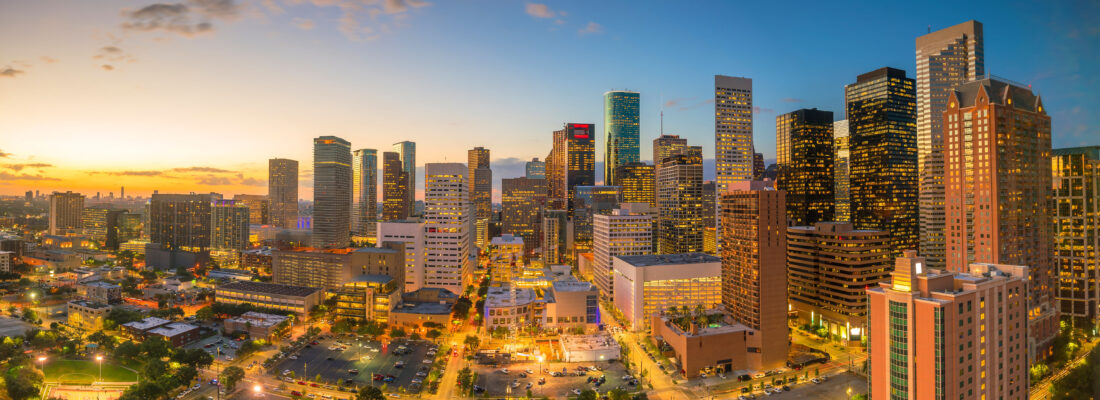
23	382
230	376
172	313
472	342
156	347
247	348
154	369
462	308
588	394
205	313
618	394
127	350
433	334
465	379
370	393
397	333
29	315
143	391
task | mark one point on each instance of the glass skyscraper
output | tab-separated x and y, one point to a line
804	157
407	151
331	192
620	120
364	192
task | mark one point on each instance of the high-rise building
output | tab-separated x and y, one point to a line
637	182
680	202
481	183
936	335
733	149
447	225
882	131
804	157
66	212
229	221
535	169
556	237
407	152
621	138
663	147
619	233
590	201
411	234
395	206
522	201
754	268
829	267
101	223
841	159
1076	174
259	207
572	163
946	59
180	221
364	192
282	189
758	166
130	226
998	183
331	192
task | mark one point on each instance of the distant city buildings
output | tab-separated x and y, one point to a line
637	182
841	166
680	201
364	192
621	132
522	203
180	221
229	220
259	208
571	163
282	189
590	201
804	157
535	169
395	189
407	153
447	236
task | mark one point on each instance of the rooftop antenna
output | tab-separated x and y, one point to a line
662	114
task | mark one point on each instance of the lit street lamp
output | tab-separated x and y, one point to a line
99	360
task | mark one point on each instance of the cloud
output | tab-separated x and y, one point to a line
107	67
4	155
10	72
7	176
110	50
400	6
762	110
791	100
214	180
253	182
48	59
203	169
112	55
304	24
539	10
19	167
675	102
130	173
186	19
591	28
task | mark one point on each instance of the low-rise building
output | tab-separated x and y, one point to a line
138	330
6	260
230	274
258	325
296	299
720	346
650	284
177	333
258	260
511	308
433	305
368	297
100	291
87	315
589	348
571	304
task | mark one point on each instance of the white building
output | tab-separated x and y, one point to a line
412	235
589	348
645	285
622	233
511	308
447	236
5	261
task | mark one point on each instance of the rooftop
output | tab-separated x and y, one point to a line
572	286
506	239
381	250
146	324
269	288
102	284
424	308
173	329
588	342
503	296
372	278
259	319
669	259
89	304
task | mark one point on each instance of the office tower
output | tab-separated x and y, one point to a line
407	151
1076	174
66	211
757	166
259	208
29	196
130	226
229	221
841	158
411	234
754	268
101	223
364	192
535	169
180	221
331	192
447	227
733	149
710	204
618	233
395	206
572	163
883	146
680	201
804	158
946	59
556	237
335	268
637	181
936	335
282	190
481	183
620	122
522	201
998	182
829	267
589	202
664	146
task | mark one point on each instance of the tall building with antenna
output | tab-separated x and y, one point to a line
621	132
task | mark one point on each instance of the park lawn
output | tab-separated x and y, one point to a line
85	372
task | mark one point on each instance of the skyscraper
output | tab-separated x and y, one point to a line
882	114
621	141
180	221
758	166
395	181
998	190
407	151
331	192
733	149
637	183
618	233
446	227
535	169
66	212
590	201
259	208
481	182
680	202
523	200
282	189
101	223
364	192
841	160
754	268
229	221
555	241
572	163
804	157
946	59
1076	173
663	146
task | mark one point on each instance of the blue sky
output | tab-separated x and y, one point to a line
265	76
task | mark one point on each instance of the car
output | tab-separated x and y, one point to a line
388	379
528	386
329	358
399	364
353	372
758	375
478	389
229	358
815	380
293	357
196	387
288	379
314	343
416	380
312	396
426	361
302	383
522	374
786	388
504	371
295	393
314	385
378	377
421	374
824	378
576	392
515	384
542	381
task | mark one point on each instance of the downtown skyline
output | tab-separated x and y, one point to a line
213	124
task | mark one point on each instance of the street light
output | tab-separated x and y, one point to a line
99	360
849	392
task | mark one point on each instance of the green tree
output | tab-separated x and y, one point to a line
433	334
472	342
29	315
588	394
397	332
156	347
23	382
105	341
618	394
370	393
462	308
465	379
205	313
127	350
154	369
230	376
143	391
247	348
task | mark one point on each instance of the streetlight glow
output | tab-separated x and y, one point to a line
41	358
257	388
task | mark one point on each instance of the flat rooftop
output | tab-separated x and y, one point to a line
503	296
259	319
506	240
572	286
173	329
588	342
269	288
669	259
147	323
424	308
102	284
89	304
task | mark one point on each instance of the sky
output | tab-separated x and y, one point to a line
196	95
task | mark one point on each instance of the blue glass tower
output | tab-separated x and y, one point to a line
620	121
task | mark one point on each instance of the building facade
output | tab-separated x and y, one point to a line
447	236
229	220
651	284
590	201
331	192
296	299
621	132
572	163
619	233
364	192
733	146
637	182
259	208
411	235
804	158
66	213
407	153
395	188
180	221
841	169
522	202
282	189
1076	183
680	202
535	169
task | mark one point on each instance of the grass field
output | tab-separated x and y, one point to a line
85	372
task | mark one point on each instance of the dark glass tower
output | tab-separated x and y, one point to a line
331	192
620	121
804	157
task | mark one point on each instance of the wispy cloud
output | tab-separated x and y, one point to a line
10	72
215	180
129	173
7	176
792	100
20	167
48	59
591	28
304	24
539	10
112	55
762	110
4	155
202	169
187	19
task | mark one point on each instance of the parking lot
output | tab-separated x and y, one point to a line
333	365
227	347
497	383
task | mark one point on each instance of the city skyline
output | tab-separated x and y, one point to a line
53	85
